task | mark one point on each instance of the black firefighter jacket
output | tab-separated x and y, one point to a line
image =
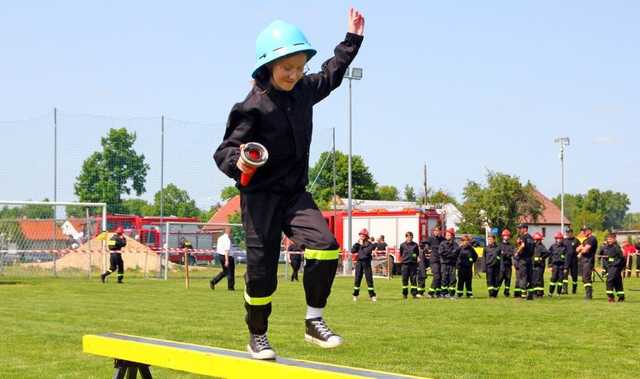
282	122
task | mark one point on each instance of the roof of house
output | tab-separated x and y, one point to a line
222	215
43	230
550	214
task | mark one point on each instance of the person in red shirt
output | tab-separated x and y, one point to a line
629	250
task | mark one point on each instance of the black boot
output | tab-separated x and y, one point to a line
506	292
588	293
552	289
103	277
574	288
529	295
565	288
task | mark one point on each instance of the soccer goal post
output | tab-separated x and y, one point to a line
52	238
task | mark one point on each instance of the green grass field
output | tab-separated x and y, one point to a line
42	321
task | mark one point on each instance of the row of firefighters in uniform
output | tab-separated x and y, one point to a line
445	257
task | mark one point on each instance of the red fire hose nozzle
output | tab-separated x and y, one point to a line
253	155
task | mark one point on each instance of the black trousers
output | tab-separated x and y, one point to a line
436	282
614	282
296	262
524	279
116	264
465	278
265	216
422	275
493	278
587	271
363	268
448	277
571	268
229	272
505	277
538	277
409	274
557	277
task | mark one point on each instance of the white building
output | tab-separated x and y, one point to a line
548	223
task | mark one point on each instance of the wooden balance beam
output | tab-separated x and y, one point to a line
133	354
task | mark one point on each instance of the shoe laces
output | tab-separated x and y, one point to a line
322	328
262	342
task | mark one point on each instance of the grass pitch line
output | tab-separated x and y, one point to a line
216	362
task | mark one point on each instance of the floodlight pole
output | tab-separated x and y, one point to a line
563	141
346	267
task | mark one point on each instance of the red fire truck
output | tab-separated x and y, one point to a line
149	231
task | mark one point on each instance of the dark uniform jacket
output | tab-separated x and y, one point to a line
381	246
492	255
593	242
529	245
506	254
282	122
432	248
364	251
467	256
540	253
558	254
116	242
448	252
571	244
409	252
614	255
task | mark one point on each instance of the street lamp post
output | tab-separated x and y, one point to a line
563	141
354	73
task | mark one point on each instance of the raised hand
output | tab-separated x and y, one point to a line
356	22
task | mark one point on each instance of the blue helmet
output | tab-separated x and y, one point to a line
278	40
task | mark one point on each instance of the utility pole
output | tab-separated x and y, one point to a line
563	141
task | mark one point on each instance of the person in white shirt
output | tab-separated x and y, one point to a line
225	259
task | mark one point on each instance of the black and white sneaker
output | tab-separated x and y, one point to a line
319	333
259	347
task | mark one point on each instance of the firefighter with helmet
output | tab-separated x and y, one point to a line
540	255
557	257
115	245
506	262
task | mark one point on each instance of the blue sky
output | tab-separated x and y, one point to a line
465	86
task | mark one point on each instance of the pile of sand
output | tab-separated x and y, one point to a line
135	255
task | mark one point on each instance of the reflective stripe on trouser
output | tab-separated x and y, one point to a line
615	282
363	268
409	271
264	217
465	277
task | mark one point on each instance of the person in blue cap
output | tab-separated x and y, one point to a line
277	113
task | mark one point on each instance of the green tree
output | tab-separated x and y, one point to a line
115	171
632	221
502	201
363	184
229	192
606	210
442	197
409	193
27	211
237	232
138	207
205	215
387	193
176	202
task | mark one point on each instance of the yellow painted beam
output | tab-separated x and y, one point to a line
216	362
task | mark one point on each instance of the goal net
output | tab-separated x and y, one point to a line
51	238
